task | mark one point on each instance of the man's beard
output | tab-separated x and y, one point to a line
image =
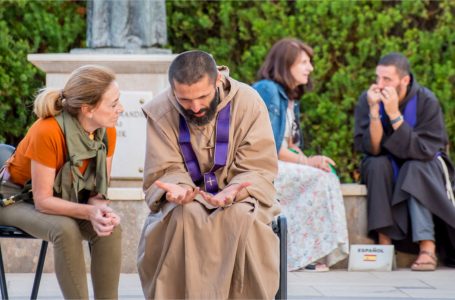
398	90
209	112
405	90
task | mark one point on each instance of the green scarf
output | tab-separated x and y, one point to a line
69	181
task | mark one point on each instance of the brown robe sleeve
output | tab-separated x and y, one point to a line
163	159
255	159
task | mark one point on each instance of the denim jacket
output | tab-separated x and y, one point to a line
276	101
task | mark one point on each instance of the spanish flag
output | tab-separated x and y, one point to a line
369	257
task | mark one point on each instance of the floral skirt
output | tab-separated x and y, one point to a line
312	202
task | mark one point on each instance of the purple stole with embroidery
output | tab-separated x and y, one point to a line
220	152
410	116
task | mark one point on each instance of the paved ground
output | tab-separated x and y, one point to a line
336	284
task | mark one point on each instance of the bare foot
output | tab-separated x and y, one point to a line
426	261
384	239
427	245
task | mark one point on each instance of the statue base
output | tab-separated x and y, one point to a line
151	50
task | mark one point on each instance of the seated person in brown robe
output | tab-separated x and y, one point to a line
399	126
208	181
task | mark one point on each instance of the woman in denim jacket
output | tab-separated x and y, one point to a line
308	191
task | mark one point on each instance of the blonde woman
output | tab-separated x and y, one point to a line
67	155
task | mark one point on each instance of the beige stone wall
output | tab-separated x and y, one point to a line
21	256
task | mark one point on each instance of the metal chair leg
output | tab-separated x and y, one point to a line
280	228
3	278
283	229
39	270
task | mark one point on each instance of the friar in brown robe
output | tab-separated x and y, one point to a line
197	244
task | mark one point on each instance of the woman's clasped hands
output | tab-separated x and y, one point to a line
102	217
183	195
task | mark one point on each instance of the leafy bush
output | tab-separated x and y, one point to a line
31	27
348	37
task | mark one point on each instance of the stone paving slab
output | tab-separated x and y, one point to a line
399	284
336	285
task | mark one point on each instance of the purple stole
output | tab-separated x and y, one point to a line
220	152
410	116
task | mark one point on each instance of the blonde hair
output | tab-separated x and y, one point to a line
86	85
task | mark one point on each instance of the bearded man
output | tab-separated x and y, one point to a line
399	126
208	181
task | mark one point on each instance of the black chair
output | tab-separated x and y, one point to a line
280	227
14	232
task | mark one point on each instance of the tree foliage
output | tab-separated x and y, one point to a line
31	27
348	37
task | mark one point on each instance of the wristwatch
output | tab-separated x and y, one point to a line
396	120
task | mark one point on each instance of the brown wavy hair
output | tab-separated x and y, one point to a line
277	65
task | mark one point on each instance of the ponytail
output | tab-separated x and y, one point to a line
48	103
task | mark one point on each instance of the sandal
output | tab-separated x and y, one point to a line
316	267
425	266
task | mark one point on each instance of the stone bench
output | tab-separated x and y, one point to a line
354	196
20	256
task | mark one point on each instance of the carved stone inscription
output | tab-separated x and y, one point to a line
129	154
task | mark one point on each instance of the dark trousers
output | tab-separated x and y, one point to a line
377	174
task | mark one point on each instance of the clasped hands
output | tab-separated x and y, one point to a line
183	195
388	96
102	217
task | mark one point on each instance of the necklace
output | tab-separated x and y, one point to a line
91	135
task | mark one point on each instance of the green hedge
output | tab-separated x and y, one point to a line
31	27
348	37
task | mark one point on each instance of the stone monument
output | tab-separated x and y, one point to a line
126	26
130	28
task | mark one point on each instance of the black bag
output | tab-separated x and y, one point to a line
10	193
